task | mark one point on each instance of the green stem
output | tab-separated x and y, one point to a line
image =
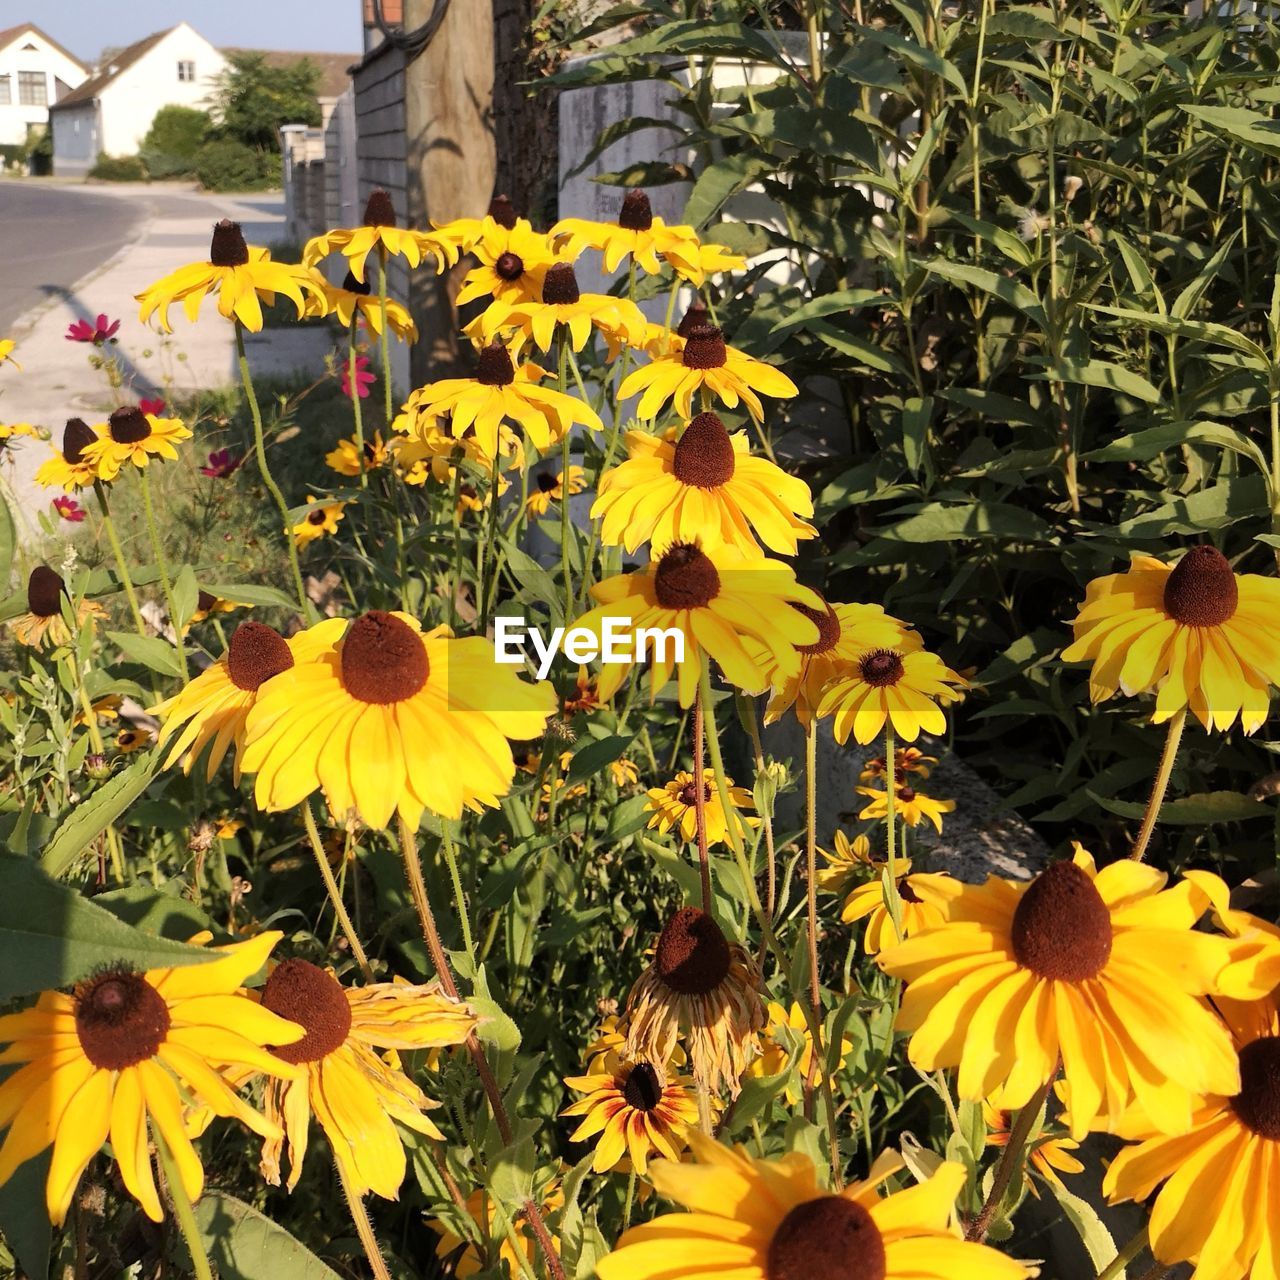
563	340
631	1195
162	566
451	860
700	801
384	339
182	1208
363	1226
335	894
1163	772
356	412
1018	1135
891	868
260	453
1115	1268
122	566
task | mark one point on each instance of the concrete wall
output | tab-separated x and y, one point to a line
43	59
341	164
77	139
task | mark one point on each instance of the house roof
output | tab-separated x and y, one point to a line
122	61
10	34
333	79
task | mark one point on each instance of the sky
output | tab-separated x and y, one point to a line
87	26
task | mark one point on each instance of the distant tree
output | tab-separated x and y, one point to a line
176	134
251	100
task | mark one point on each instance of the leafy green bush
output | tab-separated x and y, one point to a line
228	165
252	100
118	169
170	147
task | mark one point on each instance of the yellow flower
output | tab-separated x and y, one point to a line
316	523
675	805
715	598
6	352
212	709
228	828
513	261
1196	633
69	469
465	233
17	431
549	488
42	625
1048	1158
637	232
636	1111
775	1056
131	1048
899	684
104	710
921	907
385	719
705	364
381	233
772	1220
500	391
133	437
208	604
135	739
706	486
624	773
905	760
356	298
242	276
344	457
913	807
496	1249
701	986
347	1083
694	262
1103	968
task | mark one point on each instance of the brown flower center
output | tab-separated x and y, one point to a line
128	425
694	318
494	367
704	454
828	628
560	285
255	654
1258	1103
643	1089
703	348
907	893
636	213
121	1020
502	211
228	248
545	481
303	993
317	516
685	578
77	435
205	601
830	1238
510	266
379	211
881	667
383	659
689	794
1201	591
692	956
45	590
1062	929
351	285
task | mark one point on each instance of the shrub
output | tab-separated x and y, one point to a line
228	165
171	144
118	169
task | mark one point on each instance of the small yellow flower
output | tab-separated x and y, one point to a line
694	261
356	298
675	805
135	739
624	772
16	431
1048	1158
344	457
227	828
784	1025
43	625
6	352
496	1255
323	519
905	760
133	437
207	604
913	807
104	710
69	468
549	488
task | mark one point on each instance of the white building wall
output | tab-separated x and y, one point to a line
76	140
45	60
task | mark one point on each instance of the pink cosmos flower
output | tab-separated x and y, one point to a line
222	463
154	408
68	508
99	333
364	379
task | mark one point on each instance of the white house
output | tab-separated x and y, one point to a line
111	112
34	72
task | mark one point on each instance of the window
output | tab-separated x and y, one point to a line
32	89
6	92
186	70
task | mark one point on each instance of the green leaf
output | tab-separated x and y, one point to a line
51	936
244	1244
1095	1237
1142	446
916	416
918	55
719	181
937	522
596	755
1101	373
863	352
841	302
252	593
1216	507
186	595
496	1026
1002	287
1218	335
24	1219
8	542
93	816
152	652
1250	127
1194	811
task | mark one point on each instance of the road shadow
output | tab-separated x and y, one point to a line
138	382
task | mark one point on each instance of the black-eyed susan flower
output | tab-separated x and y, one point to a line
211	710
675	805
1214	1204
497	1254
715	598
380	233
846	875
207	605
911	806
345	456
784	1028
322	517
705	988
625	773
1049	1157
357	1096
242	276
549	486
694	261
637	233
128	1049
560	304
499	392
43	626
898	684
634	1112
6	353
705	486
134	738
512	262
133	438
773	1220
104	710
355	298
905	760
10	432
463	233
386	719
705	364
1103	969
1196	633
